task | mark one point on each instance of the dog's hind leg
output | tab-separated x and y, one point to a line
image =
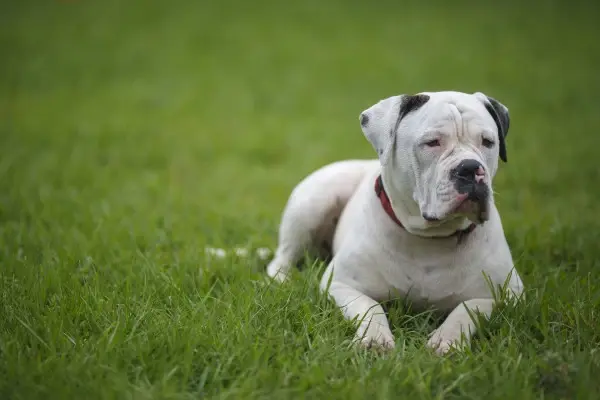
312	212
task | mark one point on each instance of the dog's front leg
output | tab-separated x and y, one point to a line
459	323
373	328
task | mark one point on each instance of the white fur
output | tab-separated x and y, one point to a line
373	258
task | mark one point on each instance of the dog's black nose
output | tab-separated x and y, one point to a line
468	170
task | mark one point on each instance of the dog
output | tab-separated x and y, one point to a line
419	223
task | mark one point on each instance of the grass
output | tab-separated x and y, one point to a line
133	134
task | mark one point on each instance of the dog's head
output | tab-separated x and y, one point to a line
441	150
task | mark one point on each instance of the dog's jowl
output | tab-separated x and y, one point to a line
417	223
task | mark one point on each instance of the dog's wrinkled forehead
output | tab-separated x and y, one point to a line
381	121
455	112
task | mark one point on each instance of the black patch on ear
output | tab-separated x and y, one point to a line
364	119
410	103
502	121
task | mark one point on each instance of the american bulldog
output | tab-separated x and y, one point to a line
418	223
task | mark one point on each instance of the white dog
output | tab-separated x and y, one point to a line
419	223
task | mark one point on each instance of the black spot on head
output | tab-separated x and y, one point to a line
410	103
502	120
364	120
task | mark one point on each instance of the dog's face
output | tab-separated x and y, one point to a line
441	148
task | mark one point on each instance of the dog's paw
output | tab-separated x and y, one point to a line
440	347
279	277
442	344
377	339
278	271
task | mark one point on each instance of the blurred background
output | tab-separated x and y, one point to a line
134	133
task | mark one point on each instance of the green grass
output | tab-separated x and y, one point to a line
133	134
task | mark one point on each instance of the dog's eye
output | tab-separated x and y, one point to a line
433	143
487	143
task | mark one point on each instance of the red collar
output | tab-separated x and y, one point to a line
387	207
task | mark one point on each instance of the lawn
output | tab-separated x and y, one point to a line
135	133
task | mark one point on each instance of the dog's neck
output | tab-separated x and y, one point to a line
409	214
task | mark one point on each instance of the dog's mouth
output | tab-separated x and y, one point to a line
475	207
476	210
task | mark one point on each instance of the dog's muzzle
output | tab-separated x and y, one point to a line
469	179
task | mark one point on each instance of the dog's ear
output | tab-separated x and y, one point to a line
380	122
499	113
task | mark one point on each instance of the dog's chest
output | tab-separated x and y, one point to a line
429	277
